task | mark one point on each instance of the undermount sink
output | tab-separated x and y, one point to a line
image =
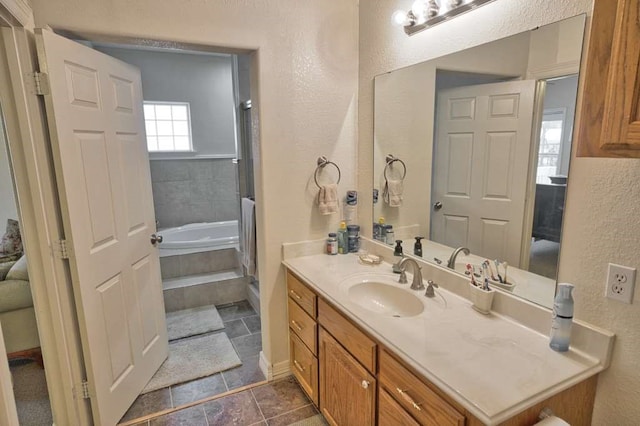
383	298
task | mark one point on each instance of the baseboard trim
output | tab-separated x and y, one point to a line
274	371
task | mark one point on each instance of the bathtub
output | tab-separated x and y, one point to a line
199	237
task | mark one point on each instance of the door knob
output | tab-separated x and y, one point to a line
437	205
365	384
156	239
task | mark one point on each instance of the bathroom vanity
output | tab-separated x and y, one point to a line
392	358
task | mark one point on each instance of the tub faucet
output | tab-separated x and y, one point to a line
451	264
416	284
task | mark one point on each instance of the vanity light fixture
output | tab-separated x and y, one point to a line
427	13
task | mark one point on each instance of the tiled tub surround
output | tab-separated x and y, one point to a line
194	191
492	365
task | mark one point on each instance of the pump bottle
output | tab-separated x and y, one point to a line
562	318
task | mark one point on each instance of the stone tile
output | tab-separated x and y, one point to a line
224	169
236	409
193	416
201	170
253	323
174	300
248	346
169	170
149	403
247	373
235	311
202	190
170	267
174	193
292	417
227	210
280	397
235	328
196	390
195	263
200	211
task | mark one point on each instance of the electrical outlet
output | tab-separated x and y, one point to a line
621	281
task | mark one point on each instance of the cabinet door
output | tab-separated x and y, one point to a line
347	390
390	413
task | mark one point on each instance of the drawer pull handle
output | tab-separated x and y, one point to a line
407	398
298	366
365	384
295	324
296	295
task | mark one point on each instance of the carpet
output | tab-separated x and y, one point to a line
190	322
193	358
32	397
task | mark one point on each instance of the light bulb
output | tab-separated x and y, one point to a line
419	8
399	18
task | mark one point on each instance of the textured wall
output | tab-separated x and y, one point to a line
306	101
602	222
193	191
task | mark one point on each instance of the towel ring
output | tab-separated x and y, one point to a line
390	160
322	162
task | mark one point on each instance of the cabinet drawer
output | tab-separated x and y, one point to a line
390	413
354	340
416	397
301	294
303	326
305	367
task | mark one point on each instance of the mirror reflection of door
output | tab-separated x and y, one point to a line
552	169
17	315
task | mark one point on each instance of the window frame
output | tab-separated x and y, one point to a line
155	120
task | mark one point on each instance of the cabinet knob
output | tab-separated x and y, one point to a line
365	384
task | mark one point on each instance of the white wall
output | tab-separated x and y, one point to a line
306	76
602	222
7	196
561	94
205	81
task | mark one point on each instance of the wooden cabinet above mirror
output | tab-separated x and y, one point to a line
609	123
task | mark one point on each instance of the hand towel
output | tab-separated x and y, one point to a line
248	208
328	199
393	192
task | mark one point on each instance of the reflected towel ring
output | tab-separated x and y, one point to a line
322	162
390	160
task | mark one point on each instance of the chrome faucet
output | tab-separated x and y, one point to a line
416	284
451	264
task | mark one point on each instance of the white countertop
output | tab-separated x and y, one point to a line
490	364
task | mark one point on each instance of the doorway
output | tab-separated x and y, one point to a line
197	109
17	313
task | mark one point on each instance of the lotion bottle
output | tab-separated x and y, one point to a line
343	241
562	318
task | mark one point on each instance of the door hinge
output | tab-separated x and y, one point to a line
40	83
83	390
61	249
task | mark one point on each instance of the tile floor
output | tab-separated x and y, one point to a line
278	403
242	326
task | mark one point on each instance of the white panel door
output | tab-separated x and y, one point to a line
94	112
481	161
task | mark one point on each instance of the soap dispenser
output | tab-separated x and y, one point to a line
417	247
398	252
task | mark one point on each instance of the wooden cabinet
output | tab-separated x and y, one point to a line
347	389
390	413
609	118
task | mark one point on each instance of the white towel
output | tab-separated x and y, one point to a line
328	199
249	236
392	194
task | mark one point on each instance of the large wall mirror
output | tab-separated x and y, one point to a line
472	150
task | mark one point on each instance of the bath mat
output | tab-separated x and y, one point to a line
193	358
190	322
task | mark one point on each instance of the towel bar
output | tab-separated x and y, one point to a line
390	160
322	162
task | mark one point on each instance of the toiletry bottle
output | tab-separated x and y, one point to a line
562	318
382	236
351	207
343	241
417	247
332	244
389	235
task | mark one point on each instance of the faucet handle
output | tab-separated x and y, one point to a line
403	277
430	285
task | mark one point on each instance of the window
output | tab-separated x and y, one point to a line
550	145
168	126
